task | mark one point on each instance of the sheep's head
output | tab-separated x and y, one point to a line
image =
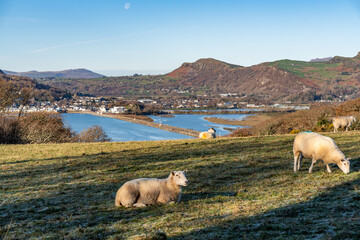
179	178
344	165
211	130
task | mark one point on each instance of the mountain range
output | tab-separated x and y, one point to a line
335	78
71	73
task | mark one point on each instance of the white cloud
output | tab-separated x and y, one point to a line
127	6
67	45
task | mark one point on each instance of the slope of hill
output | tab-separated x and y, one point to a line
71	73
259	80
281	80
40	92
239	188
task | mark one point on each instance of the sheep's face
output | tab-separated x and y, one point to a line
344	165
180	178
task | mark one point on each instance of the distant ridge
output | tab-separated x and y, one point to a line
268	82
321	59
2	73
70	73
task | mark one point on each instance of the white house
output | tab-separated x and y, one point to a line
117	110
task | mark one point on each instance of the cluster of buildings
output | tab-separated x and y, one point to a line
120	105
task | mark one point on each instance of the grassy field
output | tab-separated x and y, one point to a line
238	188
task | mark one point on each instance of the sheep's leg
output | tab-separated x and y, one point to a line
127	197
139	204
312	165
328	168
296	158
299	161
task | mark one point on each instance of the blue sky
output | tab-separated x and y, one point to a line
116	37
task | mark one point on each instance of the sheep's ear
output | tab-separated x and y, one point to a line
185	171
173	173
348	159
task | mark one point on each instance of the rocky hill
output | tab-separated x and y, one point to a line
71	73
219	77
283	80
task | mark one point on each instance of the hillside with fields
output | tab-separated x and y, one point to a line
283	80
238	188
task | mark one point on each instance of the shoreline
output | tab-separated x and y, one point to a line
249	121
184	131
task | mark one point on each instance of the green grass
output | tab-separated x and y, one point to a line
238	188
320	70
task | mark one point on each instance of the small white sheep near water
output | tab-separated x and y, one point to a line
344	122
207	135
148	191
317	147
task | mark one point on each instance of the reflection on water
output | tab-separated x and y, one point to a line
119	130
197	122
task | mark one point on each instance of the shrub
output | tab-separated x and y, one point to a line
44	127
9	130
315	119
240	132
92	134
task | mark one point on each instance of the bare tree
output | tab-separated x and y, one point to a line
24	97
7	95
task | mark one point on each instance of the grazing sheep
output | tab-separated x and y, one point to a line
207	135
318	147
147	191
344	122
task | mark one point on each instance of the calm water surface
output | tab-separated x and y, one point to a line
119	130
197	122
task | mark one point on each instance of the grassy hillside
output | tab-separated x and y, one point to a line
311	70
239	188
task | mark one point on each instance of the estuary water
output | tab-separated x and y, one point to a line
197	122
118	130
121	131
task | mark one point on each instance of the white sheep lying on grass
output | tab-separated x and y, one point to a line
147	191
318	147
207	135
344	122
